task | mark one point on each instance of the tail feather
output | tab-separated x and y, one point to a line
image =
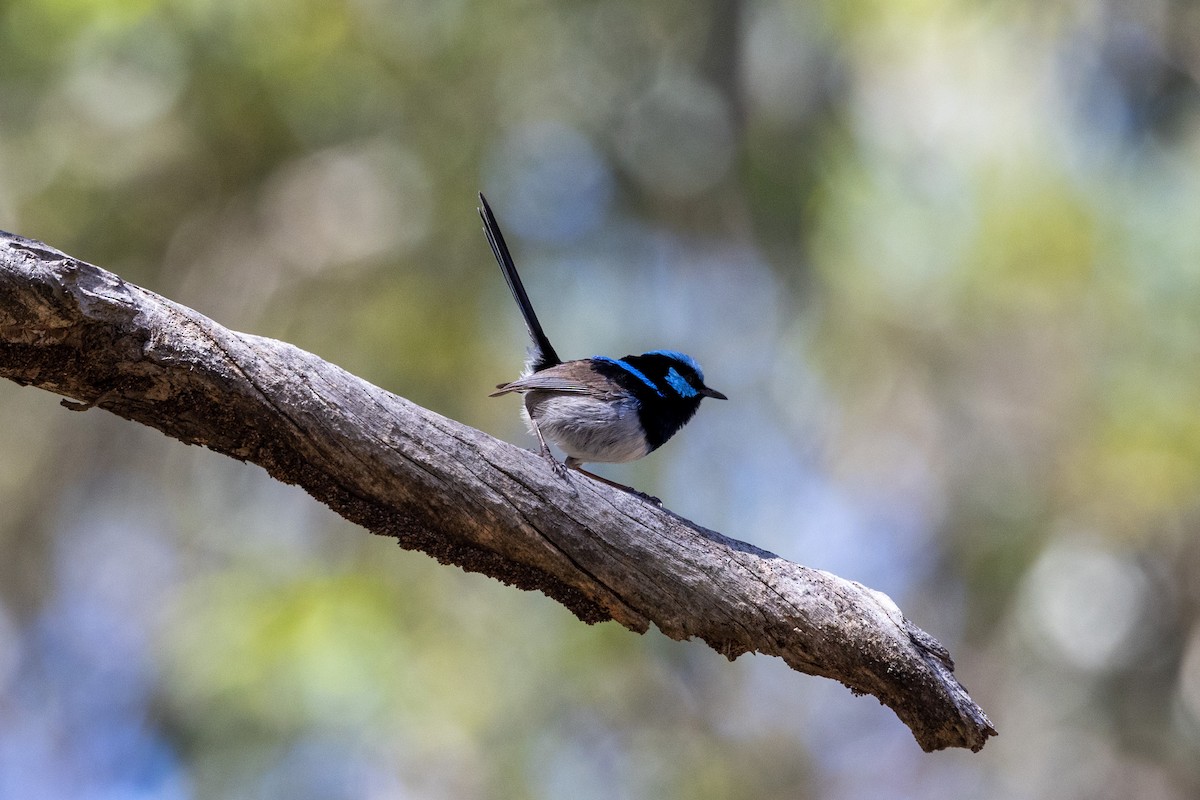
542	354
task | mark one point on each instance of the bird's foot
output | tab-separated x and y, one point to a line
560	469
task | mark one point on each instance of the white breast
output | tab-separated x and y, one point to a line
588	429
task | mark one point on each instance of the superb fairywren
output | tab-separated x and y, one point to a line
597	409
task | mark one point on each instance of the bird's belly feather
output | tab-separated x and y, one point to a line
587	428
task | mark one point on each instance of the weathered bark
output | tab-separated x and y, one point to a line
456	493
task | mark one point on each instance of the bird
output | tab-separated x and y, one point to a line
598	409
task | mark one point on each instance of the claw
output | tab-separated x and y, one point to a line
560	469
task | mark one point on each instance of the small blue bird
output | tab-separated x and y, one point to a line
599	409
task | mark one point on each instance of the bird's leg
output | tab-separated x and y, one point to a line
575	465
559	468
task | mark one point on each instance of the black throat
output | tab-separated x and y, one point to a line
662	407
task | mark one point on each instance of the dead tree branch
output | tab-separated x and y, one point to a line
456	493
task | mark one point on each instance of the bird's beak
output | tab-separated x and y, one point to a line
713	393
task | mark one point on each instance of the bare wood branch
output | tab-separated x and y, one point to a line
456	493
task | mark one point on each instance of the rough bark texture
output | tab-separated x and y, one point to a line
456	493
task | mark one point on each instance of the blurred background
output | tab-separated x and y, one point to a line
942	255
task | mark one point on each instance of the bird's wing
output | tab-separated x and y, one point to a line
571	377
543	382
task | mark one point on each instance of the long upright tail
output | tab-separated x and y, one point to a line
542	354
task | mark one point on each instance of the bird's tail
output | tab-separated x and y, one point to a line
542	353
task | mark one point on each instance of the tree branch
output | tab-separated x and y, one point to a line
456	493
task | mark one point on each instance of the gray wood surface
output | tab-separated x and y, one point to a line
456	493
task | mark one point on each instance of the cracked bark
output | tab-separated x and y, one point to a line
456	493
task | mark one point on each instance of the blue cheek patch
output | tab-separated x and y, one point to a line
675	355
680	384
634	371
